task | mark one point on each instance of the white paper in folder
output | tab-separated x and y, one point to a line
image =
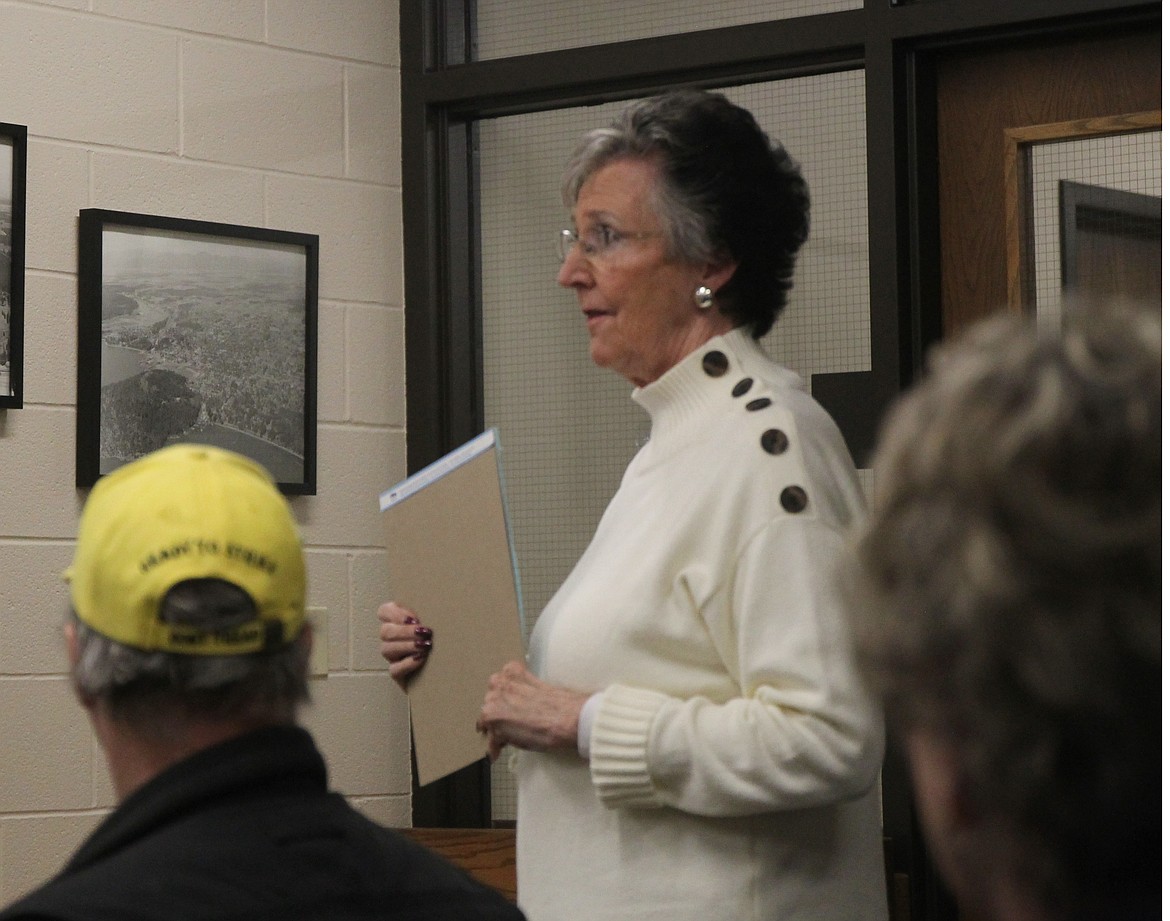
451	557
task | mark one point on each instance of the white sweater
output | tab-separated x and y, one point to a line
733	756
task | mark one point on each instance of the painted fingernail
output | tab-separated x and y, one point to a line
410	620
422	644
423	631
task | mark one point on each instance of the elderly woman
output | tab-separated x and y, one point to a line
694	742
1011	584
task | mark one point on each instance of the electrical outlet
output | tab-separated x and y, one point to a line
319	659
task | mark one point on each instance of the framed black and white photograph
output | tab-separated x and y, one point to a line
13	153
191	331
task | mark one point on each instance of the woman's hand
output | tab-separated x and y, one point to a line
406	643
519	709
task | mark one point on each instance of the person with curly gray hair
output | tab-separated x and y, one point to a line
1009	613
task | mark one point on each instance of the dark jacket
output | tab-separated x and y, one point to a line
248	830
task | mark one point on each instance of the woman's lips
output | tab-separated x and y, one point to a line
594	317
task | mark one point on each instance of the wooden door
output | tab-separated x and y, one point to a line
983	93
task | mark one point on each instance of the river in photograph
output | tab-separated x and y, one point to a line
120	363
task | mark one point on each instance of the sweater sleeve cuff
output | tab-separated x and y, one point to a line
585	724
618	747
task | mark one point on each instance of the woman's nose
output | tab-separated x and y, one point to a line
574	270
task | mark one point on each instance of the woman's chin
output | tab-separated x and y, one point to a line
602	357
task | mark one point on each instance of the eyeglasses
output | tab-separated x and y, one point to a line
598	242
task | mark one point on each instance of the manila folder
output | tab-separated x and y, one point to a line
451	561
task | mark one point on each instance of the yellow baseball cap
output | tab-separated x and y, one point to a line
187	512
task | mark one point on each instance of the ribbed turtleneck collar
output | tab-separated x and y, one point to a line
696	382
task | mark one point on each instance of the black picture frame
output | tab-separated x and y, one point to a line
1110	242
13	174
194	331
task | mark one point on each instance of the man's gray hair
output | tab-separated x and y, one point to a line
135	685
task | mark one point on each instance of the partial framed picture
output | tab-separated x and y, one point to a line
191	331
13	158
1110	242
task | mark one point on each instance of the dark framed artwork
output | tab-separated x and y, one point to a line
1024	261
1110	242
13	159
191	331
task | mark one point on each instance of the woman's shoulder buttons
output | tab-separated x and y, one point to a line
715	363
793	499
774	440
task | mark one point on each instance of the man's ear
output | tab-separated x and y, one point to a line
73	650
70	631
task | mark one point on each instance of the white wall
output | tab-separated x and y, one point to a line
272	113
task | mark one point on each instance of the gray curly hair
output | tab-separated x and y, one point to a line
1009	593
726	189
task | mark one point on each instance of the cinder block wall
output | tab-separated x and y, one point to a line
273	113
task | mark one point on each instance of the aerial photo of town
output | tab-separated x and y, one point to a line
204	344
